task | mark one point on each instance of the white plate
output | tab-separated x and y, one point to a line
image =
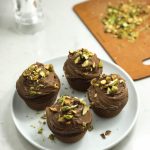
121	125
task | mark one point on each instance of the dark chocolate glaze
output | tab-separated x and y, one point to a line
44	95
108	105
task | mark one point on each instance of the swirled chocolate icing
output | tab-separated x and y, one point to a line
38	85
69	118
108	94
80	67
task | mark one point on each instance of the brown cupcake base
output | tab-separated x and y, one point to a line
106	113
41	102
79	84
70	139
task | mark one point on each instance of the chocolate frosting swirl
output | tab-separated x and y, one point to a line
108	96
37	81
82	64
71	121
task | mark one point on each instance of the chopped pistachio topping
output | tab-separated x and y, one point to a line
85	110
85	63
94	65
37	71
66	108
69	108
100	64
103	82
108	82
54	109
85	58
68	117
81	56
60	119
71	51
77	60
123	20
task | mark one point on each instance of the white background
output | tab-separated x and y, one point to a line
63	31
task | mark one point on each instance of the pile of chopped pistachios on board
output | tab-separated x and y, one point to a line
123	20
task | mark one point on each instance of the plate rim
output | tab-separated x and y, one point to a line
37	145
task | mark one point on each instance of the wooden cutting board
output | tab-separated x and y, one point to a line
129	55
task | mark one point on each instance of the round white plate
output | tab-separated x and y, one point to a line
29	121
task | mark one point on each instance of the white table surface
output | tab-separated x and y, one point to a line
63	31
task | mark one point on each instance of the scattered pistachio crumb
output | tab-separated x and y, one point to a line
32	126
90	128
108	132
51	137
40	130
103	135
44	122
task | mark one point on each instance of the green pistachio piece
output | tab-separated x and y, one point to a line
114	82
96	84
52	137
40	130
38	69
114	89
54	109
85	110
31	88
85	63
61	100
85	56
121	81
67	117
61	119
100	64
82	101
77	60
108	78
42	74
71	51
108	90
113	76
94	65
47	66
93	81
33	92
103	82
66	108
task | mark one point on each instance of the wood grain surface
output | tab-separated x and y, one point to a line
129	55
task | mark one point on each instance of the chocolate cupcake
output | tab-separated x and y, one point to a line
80	67
108	94
69	118
38	86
